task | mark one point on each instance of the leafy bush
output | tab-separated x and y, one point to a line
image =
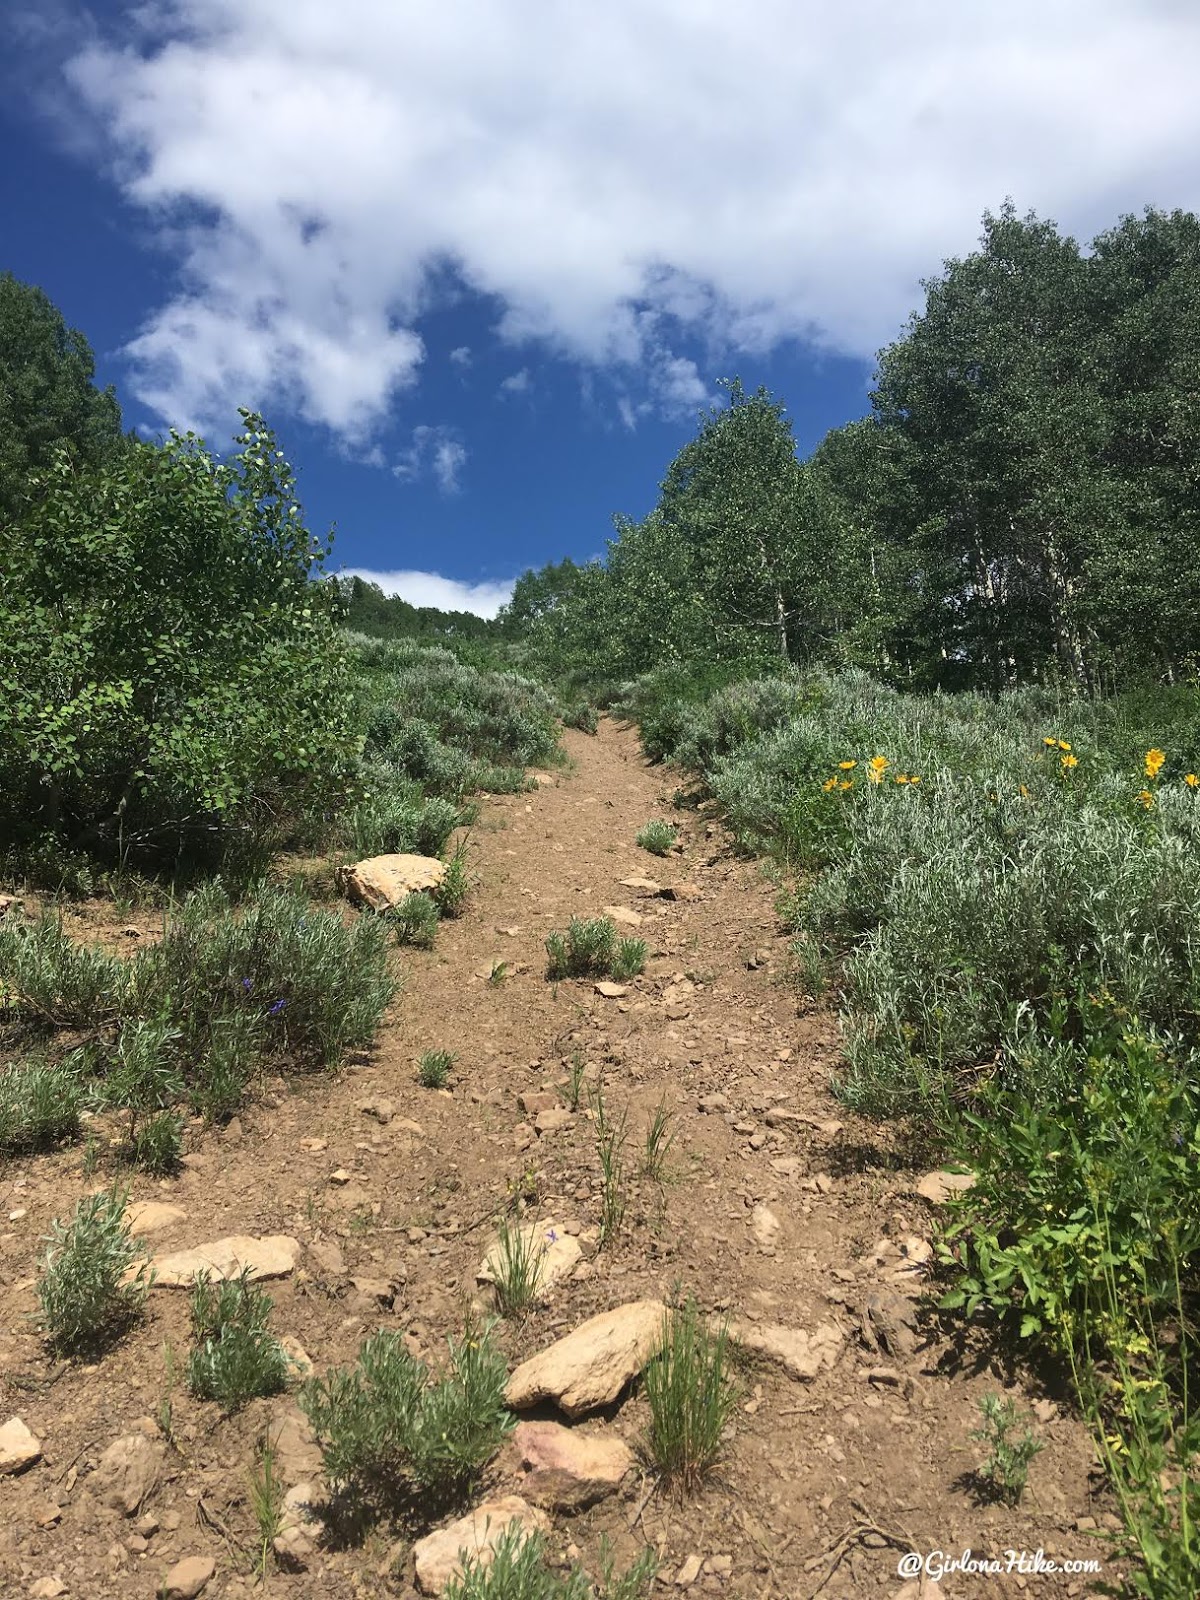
658	837
389	1431
158	1144
582	716
235	1358
433	1069
224	992
414	921
399	821
692	1397
175	681
39	1106
451	894
85	1304
1005	1468
590	949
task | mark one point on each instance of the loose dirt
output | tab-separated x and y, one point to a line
779	1209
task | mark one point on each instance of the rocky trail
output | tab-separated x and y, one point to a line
368	1201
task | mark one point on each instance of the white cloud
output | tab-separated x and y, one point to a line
516	382
435	450
431	589
461	355
610	175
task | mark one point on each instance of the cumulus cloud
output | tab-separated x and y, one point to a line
436	452
431	589
461	355
516	383
617	179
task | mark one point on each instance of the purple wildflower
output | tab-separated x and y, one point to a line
273	1011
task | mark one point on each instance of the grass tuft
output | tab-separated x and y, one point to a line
692	1397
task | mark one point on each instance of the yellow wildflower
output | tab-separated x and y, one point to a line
914	777
1051	744
1068	762
1191	780
1024	792
1146	798
830	783
847	766
846	783
1154	761
878	766
902	777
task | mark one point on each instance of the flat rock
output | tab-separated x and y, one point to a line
382	1110
553	1254
328	1258
532	1101
127	1473
274	1256
611	991
549	1121
938	1187
383	881
567	1469
623	915
646	885
188	1578
713	1102
589	1367
295	1444
801	1354
682	891
152	1216
18	1447
476	1535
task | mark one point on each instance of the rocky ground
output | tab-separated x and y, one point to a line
804	1226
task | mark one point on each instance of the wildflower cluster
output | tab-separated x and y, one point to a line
877	773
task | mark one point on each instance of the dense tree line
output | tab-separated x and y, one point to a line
383	616
1021	504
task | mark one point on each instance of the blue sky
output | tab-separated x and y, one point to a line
481	265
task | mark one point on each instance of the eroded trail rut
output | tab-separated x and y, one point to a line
851	1441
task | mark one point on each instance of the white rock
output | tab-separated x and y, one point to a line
801	1354
127	1473
383	881
18	1448
274	1256
611	991
299	1526
553	1255
187	1578
937	1187
437	1557
589	1367
152	1216
765	1225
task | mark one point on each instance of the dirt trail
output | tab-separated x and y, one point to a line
780	1210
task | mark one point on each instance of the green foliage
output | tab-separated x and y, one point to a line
225	992
450	896
590	949
47	399
1085	1172
520	1570
234	1358
433	1069
399	822
174	680
389	1431
414	921
85	1305
660	1136
515	1263
158	1144
39	1106
692	1396
582	716
1004	1470
658	837
266	1490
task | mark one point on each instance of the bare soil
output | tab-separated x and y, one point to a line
824	1484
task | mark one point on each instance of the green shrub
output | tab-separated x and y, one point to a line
389	1431
519	1569
451	894
658	837
581	716
234	1358
39	1106
401	823
85	1304
158	1144
590	949
433	1069
1004	1470
414	921
515	1262
174	679
53	981
692	1398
